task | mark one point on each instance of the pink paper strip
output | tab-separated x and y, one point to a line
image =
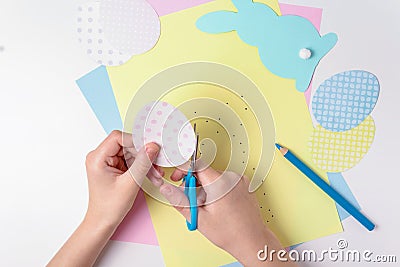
314	15
137	226
165	7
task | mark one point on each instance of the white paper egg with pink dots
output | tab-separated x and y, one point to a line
162	123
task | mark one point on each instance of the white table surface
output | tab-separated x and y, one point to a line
47	128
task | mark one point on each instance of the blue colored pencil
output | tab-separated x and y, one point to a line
324	186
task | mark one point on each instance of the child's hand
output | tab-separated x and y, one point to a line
112	189
233	222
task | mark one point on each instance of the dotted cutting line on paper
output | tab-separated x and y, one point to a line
233	136
266	212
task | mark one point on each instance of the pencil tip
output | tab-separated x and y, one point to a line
278	146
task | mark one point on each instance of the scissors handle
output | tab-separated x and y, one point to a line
190	192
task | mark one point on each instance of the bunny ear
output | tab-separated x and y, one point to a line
242	4
328	41
344	100
217	22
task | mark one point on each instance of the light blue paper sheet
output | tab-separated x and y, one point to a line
96	88
339	184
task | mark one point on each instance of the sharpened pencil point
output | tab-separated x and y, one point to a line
278	146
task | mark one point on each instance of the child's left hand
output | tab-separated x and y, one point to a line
115	170
112	188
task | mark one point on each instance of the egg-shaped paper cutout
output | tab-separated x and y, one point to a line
340	151
131	26
167	126
344	100
92	39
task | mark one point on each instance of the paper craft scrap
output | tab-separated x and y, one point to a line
165	125
339	184
305	218
131	26
163	7
92	38
96	88
289	46
340	151
344	100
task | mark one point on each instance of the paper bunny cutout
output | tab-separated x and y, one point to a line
279	39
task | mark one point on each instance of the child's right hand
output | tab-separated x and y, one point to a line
233	222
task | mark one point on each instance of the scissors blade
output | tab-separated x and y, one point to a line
194	156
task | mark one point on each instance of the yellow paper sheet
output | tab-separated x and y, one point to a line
291	205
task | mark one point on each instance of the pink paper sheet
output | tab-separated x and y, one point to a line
165	7
137	226
314	15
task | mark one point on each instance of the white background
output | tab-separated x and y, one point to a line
47	128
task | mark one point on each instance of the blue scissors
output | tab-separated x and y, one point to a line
190	187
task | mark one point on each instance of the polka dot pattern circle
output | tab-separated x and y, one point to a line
132	26
92	38
165	125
